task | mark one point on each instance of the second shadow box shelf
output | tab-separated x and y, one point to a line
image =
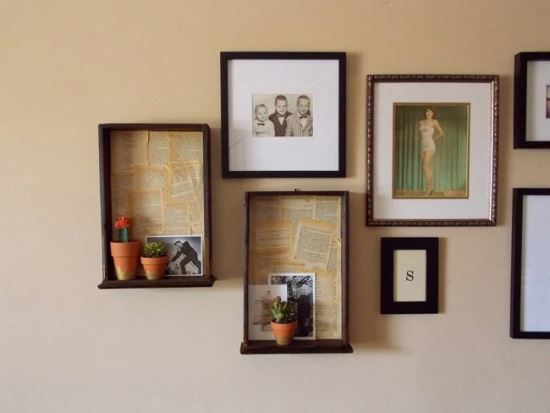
296	246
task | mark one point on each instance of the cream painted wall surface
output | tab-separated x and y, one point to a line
65	346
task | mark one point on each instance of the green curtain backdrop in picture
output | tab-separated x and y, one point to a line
450	162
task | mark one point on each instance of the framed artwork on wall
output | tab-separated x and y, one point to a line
296	247
532	100
530	290
283	114
409	275
432	150
159	175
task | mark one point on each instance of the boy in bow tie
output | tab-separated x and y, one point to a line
279	116
262	126
301	123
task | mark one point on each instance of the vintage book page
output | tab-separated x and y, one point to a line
157	180
313	242
128	150
300	234
261	264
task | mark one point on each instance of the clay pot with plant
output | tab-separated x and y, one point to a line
125	252
284	322
154	260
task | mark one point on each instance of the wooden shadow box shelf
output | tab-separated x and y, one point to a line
141	282
296	247
159	176
296	347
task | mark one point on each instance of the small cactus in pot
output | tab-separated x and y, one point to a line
154	260
284	322
124	251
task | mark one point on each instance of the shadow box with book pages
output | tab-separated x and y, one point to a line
296	247
159	176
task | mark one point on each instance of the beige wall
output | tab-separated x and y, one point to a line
66	346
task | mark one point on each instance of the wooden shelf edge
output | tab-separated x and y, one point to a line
298	347
179	282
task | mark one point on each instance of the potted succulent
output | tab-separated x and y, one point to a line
125	252
154	260
284	322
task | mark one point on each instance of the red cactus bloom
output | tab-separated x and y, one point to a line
122	222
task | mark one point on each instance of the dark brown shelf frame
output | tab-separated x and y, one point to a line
142	282
297	347
302	346
109	278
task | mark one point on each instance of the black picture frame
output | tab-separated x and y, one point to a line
109	280
227	57
516	330
520	100
387	303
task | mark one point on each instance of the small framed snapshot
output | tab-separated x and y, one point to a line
530	292
432	150
283	114
301	295
184	254
409	275
532	100
259	309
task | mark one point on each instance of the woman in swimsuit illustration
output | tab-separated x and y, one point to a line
427	127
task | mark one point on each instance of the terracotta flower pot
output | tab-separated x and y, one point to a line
125	256
155	267
284	333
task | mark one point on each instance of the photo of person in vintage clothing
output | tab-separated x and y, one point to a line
261	125
301	122
188	255
278	117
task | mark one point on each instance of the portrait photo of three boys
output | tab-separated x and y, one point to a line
281	115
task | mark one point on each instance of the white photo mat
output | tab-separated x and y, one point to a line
481	166
410	276
319	78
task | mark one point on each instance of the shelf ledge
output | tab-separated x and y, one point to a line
141	282
296	347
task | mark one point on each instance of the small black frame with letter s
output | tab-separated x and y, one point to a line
409	275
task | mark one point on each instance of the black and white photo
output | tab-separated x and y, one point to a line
300	294
184	253
282	115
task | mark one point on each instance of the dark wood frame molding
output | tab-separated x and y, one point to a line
302	346
109	277
520	100
387	303
517	252
226	57
493	80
